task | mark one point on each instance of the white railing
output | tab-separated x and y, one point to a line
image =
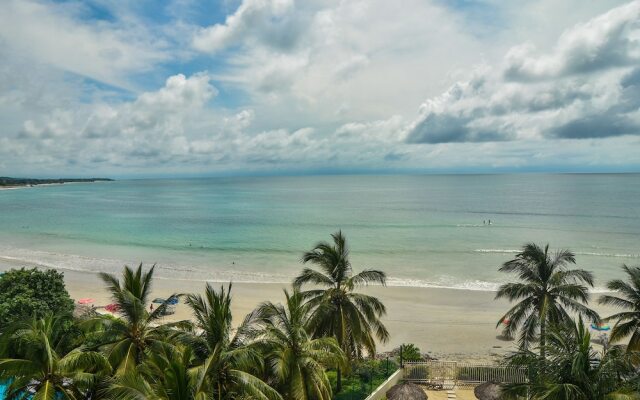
381	391
450	374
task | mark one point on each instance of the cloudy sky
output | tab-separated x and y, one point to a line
206	87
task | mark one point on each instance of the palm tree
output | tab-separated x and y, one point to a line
548	291
296	360
128	338
628	321
226	362
575	370
338	311
164	375
39	366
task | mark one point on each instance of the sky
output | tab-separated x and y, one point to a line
147	88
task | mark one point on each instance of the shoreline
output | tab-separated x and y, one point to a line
448	324
176	271
31	183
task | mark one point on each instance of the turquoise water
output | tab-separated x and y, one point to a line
422	230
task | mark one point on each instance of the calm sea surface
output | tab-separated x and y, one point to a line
422	230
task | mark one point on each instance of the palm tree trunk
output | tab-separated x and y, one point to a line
543	341
338	380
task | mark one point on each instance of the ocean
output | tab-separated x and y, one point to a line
422	230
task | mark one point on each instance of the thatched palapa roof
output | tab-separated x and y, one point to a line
406	391
488	391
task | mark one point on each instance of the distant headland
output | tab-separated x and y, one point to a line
18	182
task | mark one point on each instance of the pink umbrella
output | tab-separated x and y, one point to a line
112	308
86	301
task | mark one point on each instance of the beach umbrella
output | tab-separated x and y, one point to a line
171	301
406	391
112	308
600	327
488	391
86	300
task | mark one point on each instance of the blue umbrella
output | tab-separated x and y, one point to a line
600	327
171	301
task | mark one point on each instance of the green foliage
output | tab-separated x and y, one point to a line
628	321
567	367
127	339
365	377
34	360
27	293
165	375
296	361
574	370
546	295
410	352
225	360
278	352
352	318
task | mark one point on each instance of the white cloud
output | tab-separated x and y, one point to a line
582	89
607	41
154	126
53	33
318	84
342	61
267	21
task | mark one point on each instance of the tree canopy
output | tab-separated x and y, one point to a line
27	293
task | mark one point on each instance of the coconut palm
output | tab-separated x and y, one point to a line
628	321
164	375
575	370
546	293
225	361
41	368
338	311
130	336
296	360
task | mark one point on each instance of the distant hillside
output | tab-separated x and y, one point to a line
6	181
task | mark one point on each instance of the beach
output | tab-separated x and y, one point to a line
448	324
440	239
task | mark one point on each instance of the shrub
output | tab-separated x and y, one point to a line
410	352
25	293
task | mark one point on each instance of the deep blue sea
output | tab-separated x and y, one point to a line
423	230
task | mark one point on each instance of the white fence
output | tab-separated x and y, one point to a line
450	374
381	391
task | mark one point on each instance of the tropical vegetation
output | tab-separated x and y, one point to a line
574	370
627	322
297	361
352	318
555	347
546	293
40	358
278	352
315	341
27	293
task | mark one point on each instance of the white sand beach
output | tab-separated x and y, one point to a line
449	324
